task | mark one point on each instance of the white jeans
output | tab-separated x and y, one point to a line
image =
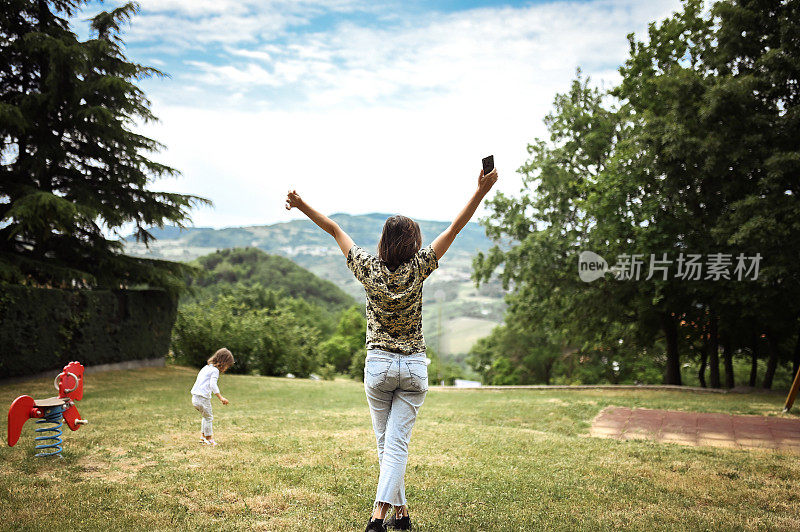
203	405
396	386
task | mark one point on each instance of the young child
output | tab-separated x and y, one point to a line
204	386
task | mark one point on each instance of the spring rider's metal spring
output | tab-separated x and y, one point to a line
52	416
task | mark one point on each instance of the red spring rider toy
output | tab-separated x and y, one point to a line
69	384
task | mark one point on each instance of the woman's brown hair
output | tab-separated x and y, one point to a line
222	359
400	240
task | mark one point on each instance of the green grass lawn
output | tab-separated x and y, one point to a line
296	452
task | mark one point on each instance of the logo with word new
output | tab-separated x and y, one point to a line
686	267
591	266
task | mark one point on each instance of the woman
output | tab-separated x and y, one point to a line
395	372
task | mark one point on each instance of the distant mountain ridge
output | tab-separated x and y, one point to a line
453	306
365	229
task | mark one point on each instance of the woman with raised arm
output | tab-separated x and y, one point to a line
395	371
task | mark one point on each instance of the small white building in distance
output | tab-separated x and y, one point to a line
461	383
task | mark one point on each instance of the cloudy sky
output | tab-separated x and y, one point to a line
362	105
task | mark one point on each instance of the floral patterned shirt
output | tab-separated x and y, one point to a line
394	299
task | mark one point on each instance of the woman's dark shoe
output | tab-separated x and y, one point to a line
375	525
399	523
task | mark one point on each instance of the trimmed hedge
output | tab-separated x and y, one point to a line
42	329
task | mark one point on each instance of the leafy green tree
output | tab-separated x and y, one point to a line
694	152
337	352
558	214
346	346
71	166
268	341
440	370
515	354
714	96
756	100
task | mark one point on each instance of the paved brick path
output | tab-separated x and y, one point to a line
692	428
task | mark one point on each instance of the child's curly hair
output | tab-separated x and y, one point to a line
222	359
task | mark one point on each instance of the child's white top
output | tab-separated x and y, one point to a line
206	382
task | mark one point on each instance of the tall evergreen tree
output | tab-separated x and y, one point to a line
72	169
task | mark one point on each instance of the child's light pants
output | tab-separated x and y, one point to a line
396	386
203	405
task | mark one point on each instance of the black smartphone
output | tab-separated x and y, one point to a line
488	164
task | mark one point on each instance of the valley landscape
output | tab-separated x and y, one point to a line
456	313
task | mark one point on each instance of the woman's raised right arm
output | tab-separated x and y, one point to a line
442	242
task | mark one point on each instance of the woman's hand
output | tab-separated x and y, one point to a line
486	182
293	199
224	401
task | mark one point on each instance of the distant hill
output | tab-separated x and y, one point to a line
297	237
250	266
455	315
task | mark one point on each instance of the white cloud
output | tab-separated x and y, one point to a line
390	119
175	34
468	52
251	54
204	7
181	25
233	77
